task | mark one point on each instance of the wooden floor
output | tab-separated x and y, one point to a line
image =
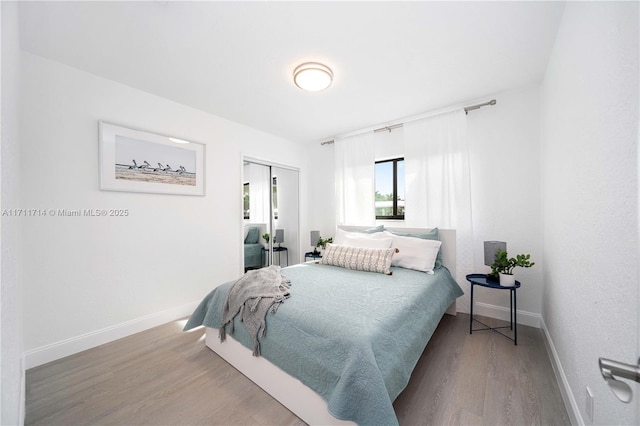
166	377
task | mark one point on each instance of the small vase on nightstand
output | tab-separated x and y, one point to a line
507	280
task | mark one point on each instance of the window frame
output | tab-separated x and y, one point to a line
394	215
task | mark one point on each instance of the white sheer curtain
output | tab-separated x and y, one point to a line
354	174
437	181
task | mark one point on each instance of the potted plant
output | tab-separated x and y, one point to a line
503	267
322	243
266	237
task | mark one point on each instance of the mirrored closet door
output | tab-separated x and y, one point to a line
270	215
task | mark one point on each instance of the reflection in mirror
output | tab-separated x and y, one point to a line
256	215
274	196
270	212
245	193
285	216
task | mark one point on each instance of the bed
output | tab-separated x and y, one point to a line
343	346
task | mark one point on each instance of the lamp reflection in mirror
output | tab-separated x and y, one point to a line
279	236
490	250
315	236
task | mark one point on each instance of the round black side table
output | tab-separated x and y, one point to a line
481	280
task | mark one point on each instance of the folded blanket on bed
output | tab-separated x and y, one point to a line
252	296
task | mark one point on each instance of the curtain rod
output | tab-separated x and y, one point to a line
398	125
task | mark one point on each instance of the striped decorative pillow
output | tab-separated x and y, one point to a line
358	258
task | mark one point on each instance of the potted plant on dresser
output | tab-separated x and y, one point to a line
503	267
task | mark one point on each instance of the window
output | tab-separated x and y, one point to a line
389	176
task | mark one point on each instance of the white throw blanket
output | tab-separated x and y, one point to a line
252	296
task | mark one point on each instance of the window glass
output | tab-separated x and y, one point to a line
384	188
389	185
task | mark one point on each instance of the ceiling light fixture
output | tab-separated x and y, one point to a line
312	76
178	140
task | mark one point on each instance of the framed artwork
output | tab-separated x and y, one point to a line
138	161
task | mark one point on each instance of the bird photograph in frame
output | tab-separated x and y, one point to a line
139	161
145	161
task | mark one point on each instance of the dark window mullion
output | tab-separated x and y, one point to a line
395	189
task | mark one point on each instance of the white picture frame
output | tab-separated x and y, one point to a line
139	161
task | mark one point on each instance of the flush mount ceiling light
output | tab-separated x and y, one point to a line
178	140
312	76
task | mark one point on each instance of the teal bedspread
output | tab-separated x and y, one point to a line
353	337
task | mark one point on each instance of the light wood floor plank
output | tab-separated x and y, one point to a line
163	376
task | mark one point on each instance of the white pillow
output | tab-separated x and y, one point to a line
339	237
415	253
365	241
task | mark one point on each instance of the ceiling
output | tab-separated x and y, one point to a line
235	59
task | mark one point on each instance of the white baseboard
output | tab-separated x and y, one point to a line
499	312
567	394
57	350
23	390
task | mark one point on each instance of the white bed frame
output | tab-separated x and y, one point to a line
289	391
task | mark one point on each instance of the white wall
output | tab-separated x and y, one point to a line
12	382
505	163
85	274
504	155
590	200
